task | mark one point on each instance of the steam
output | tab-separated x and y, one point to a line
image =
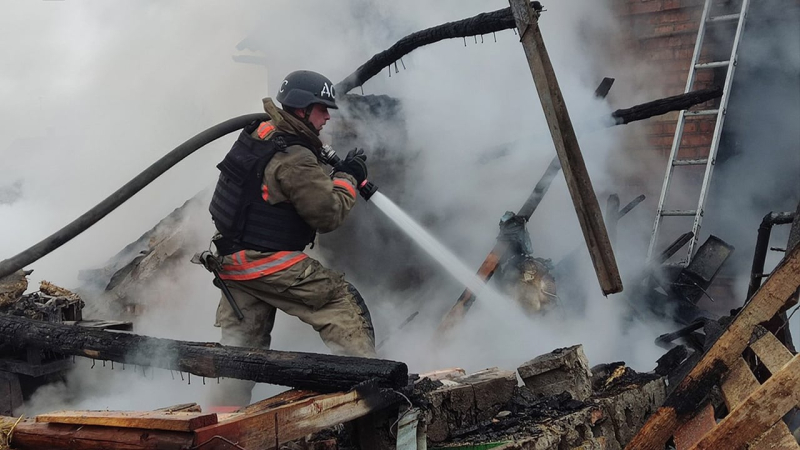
91	99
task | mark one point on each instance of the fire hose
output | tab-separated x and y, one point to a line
102	209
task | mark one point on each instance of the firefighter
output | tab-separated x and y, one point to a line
272	197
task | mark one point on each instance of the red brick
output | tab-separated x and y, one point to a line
689	152
664	29
696	139
661	54
684	53
657	128
672	4
643	7
660	141
704	75
707	126
669	128
689	127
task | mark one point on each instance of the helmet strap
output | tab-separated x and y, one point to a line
308	123
307	113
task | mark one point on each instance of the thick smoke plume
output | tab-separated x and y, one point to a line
95	93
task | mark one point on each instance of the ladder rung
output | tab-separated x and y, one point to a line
707	112
725	18
712	65
679	212
689	162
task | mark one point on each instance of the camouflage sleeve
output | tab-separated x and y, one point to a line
323	203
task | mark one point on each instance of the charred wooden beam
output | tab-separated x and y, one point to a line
567	148
665	105
484	23
322	373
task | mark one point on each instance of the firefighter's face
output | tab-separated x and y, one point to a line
319	116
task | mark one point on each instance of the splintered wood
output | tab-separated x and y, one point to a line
154	420
263	425
755	411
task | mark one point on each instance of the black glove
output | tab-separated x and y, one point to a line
354	164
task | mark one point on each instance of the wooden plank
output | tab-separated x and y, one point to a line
185	407
256	430
267	428
758	412
778	437
771	352
690	432
739	384
569	153
286	397
688	395
152	420
324	411
29	435
736	387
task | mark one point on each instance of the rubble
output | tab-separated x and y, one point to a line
562	404
562	370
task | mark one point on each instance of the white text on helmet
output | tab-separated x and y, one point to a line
327	91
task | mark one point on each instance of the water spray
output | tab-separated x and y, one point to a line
431	245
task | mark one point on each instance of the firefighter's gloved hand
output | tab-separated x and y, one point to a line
207	260
354	164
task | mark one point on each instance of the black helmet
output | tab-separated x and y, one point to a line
302	88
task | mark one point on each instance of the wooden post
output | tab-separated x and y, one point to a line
569	153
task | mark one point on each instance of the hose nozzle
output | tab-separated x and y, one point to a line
367	189
328	156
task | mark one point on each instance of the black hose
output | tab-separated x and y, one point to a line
762	245
89	218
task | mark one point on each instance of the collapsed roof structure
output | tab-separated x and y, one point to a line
725	382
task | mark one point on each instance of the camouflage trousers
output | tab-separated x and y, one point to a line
316	295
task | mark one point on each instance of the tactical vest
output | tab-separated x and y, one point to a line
241	215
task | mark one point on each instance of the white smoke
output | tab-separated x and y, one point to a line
94	93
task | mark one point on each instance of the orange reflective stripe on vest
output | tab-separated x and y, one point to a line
264	129
241	269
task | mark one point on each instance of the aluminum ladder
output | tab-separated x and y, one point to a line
720	113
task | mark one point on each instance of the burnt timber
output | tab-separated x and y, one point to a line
567	148
322	373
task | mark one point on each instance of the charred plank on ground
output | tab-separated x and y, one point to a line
322	373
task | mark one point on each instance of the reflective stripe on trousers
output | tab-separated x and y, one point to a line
242	269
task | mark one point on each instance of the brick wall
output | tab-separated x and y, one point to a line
663	33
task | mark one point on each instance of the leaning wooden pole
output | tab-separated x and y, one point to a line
321	373
567	148
692	391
